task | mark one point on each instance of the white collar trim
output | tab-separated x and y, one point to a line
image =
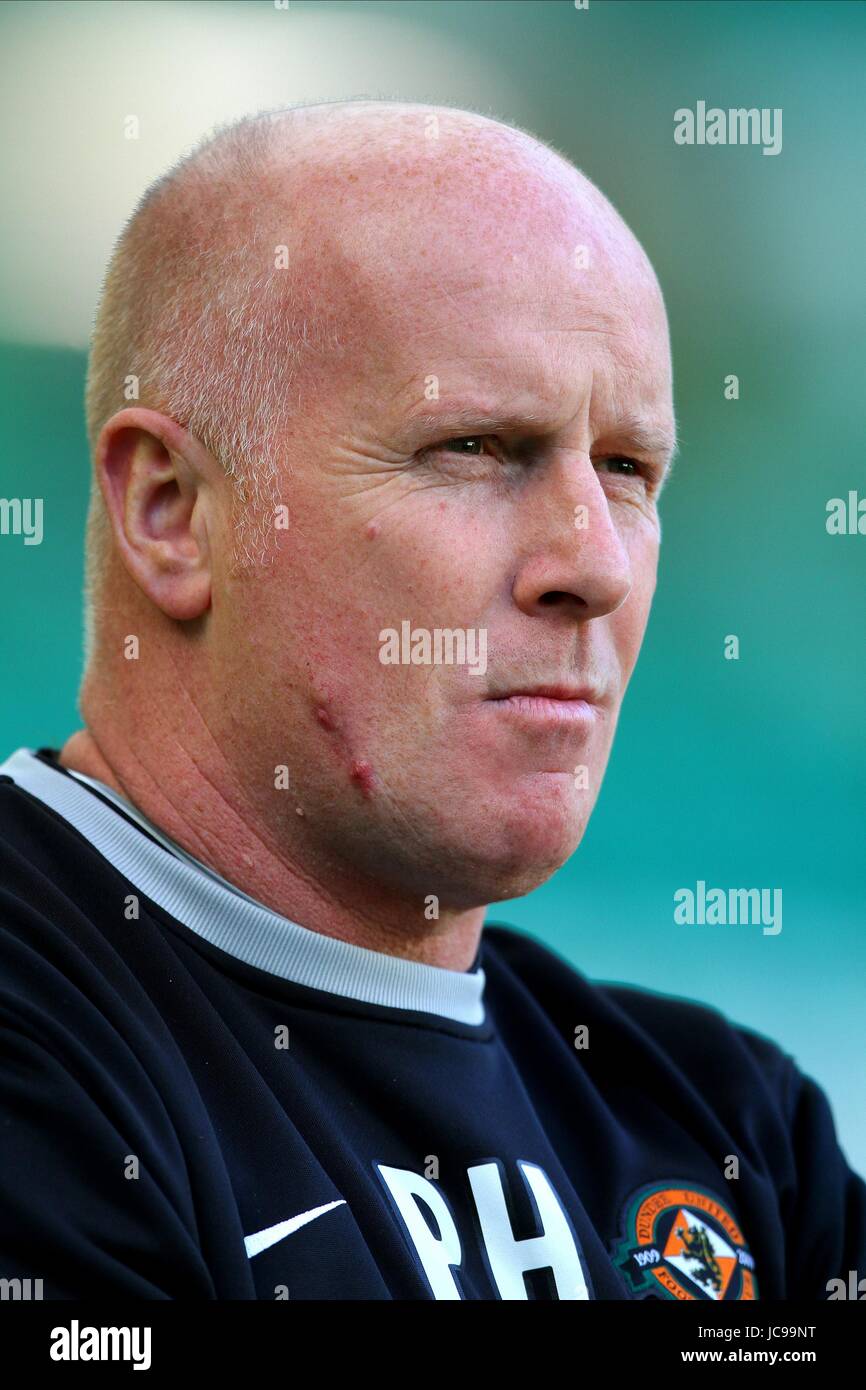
235	923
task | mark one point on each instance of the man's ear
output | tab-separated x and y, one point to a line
157	482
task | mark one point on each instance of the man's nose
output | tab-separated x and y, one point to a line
572	553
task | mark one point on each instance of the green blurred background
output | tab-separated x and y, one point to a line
744	773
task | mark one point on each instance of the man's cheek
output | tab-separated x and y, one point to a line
643	561
628	626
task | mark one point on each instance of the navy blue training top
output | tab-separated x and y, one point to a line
202	1100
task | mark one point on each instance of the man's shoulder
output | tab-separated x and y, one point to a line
694	1035
45	860
60	903
30	829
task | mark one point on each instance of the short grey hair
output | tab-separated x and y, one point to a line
193	314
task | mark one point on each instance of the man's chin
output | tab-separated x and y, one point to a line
520	849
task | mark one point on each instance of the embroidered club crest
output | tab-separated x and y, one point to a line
683	1243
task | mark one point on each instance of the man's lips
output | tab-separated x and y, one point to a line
557	703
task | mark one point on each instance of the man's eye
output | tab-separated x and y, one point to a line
473	445
629	468
456	446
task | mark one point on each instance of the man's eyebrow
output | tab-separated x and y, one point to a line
474	418
649	438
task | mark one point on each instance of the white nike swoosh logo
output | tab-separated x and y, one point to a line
261	1240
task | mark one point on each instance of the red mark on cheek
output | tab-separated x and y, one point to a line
371	531
360	771
363	776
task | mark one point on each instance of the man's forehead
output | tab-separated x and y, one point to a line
522	339
421	289
500	271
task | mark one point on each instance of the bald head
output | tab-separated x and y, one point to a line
264	252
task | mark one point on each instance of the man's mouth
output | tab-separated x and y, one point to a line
558	703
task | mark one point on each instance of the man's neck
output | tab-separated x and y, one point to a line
81	754
228	843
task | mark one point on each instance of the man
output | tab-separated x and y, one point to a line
380	411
